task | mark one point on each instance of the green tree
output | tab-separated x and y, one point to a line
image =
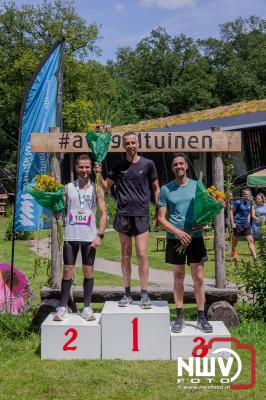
165	75
238	60
26	34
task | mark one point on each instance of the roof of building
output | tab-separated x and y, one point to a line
236	116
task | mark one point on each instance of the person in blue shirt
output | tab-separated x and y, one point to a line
176	215
240	215
258	215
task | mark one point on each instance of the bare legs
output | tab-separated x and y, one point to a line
251	245
141	244
197	276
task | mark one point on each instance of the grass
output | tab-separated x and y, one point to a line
110	250
25	376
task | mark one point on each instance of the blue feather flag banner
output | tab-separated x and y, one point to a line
41	110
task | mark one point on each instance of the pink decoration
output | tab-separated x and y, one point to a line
20	291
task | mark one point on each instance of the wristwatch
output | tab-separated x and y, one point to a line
101	235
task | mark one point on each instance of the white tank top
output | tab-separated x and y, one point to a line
81	213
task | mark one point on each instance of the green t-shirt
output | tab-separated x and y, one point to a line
179	201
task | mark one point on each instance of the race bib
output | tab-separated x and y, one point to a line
77	218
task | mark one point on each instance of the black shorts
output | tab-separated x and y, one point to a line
70	252
242	230
131	226
194	253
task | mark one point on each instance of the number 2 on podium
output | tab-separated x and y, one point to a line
135	331
74	333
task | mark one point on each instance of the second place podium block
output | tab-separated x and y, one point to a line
71	339
131	333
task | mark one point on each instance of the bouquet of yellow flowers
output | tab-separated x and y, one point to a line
48	192
208	203
221	197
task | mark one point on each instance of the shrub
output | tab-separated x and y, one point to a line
250	278
18	235
15	326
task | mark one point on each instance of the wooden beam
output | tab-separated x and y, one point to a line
55	248
206	141
107	293
219	229
159	292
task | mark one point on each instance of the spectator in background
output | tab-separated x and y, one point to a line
258	215
240	218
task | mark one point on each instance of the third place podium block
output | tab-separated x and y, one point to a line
71	339
131	333
182	343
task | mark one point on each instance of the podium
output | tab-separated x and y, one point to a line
126	333
133	333
71	339
182	343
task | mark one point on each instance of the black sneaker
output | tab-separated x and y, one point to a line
204	325
145	301
178	325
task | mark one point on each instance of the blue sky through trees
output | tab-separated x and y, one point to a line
126	22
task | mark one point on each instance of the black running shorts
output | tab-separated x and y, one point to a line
194	253
242	230
131	226
70	252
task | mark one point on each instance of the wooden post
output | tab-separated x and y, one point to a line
55	249
219	231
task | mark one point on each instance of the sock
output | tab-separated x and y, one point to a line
179	312
65	291
88	288
127	291
201	314
143	291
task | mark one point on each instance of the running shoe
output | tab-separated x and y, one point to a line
87	314
125	301
61	314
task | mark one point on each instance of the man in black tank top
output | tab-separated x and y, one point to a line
133	176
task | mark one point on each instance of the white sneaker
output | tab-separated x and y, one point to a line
61	314
87	314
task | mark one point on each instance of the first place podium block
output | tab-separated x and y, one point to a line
131	333
71	339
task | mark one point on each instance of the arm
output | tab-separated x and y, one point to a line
156	190
106	183
253	213
65	195
232	222
103	218
184	237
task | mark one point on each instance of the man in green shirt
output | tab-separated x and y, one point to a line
176	200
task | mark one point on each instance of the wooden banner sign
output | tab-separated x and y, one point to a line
204	141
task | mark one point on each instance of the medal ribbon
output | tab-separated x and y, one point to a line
81	198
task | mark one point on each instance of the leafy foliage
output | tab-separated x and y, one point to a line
250	277
25	235
162	76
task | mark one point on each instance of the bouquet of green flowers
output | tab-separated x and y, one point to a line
99	138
